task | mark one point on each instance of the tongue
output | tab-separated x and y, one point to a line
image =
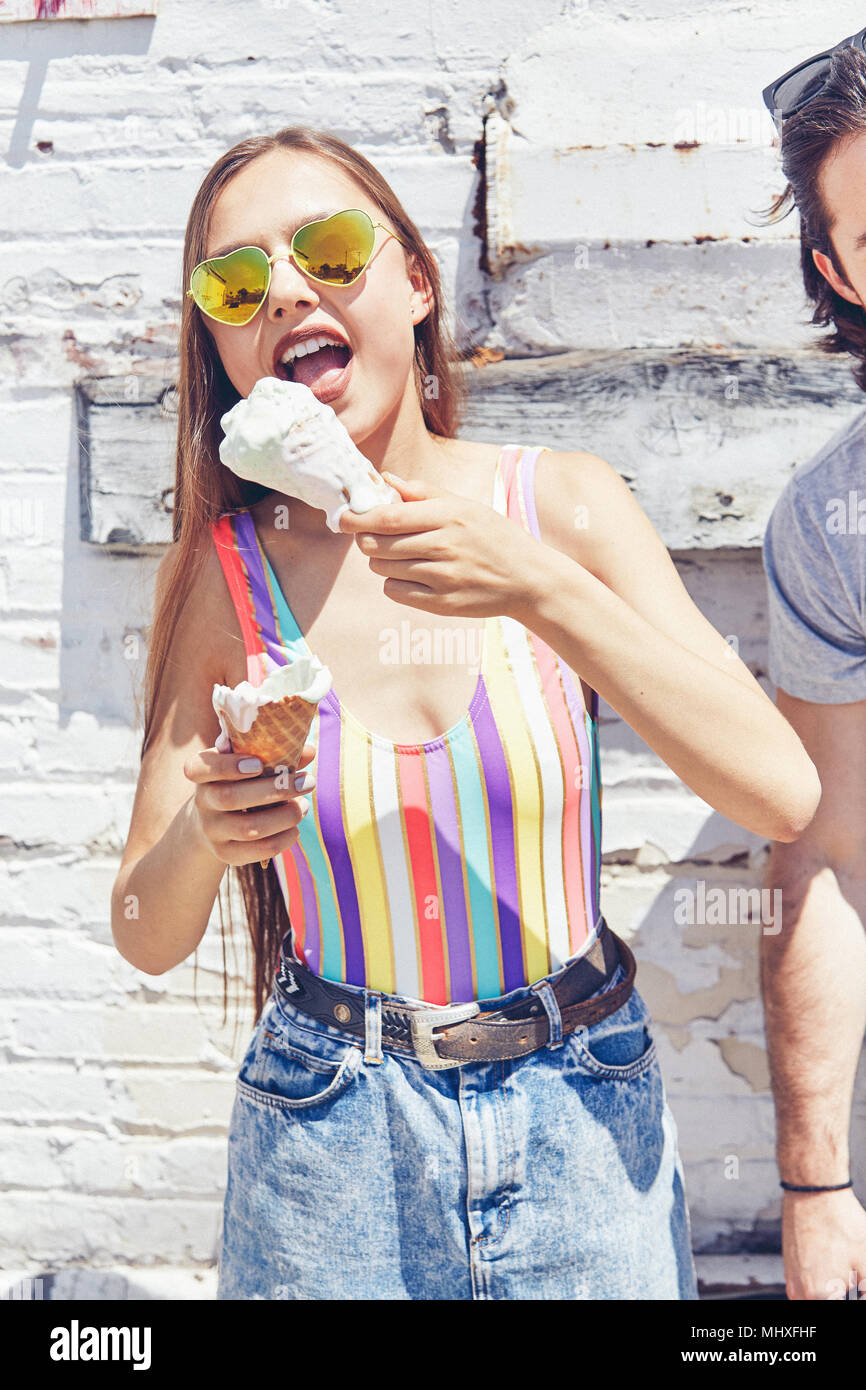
320	368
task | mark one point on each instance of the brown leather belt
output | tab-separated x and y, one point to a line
460	1033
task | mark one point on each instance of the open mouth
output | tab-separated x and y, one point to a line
321	368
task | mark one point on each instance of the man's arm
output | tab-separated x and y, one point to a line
813	983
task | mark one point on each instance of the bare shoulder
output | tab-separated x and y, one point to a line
589	512
584	507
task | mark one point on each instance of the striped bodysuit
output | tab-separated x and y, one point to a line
457	869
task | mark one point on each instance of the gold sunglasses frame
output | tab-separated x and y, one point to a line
332	284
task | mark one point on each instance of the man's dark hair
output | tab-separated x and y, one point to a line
808	138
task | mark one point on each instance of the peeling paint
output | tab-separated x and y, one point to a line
47	289
80	356
483	355
746	1059
669	1005
678	1037
438	120
502	248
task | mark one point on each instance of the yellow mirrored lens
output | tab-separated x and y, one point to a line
232	287
337	249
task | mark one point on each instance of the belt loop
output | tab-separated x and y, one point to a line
548	998
372	1027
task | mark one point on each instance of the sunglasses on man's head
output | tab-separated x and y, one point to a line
798	86
334	251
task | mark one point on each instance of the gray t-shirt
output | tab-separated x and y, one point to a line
815	560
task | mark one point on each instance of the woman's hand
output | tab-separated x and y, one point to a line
444	553
224	793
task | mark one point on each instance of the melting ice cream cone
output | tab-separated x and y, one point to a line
282	436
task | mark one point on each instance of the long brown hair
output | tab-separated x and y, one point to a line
204	489
808	138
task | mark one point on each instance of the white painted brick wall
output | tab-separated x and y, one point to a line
117	1087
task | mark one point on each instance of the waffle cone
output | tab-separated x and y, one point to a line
277	734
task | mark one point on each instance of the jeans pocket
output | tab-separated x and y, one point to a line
281	1072
620	1047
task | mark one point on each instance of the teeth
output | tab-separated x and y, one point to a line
308	345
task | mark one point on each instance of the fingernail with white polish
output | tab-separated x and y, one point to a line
304	782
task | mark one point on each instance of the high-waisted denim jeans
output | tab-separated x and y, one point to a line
357	1173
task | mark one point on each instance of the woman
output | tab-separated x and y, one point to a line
447	881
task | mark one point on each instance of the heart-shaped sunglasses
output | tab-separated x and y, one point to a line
335	251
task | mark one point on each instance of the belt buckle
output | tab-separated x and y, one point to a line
423	1022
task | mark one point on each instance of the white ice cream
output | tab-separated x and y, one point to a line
283	437
306	677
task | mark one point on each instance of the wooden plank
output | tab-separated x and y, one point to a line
672	188
127	434
705	439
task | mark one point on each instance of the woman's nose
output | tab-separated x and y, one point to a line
288	285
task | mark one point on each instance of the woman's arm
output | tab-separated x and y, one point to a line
187	799
607	598
167	882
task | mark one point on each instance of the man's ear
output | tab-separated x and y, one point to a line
825	267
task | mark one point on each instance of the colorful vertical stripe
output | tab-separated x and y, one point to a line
451	870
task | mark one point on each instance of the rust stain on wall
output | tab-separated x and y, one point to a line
80	356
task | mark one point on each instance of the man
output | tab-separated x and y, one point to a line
813	972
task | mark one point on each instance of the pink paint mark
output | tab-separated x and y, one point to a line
53	9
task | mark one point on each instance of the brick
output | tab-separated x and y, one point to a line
59	1228
132	1166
